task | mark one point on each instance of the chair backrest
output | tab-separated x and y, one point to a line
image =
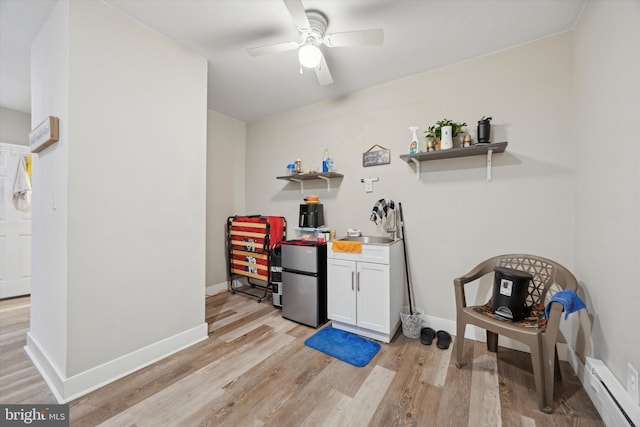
549	277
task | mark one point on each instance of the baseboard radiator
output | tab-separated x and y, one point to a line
610	398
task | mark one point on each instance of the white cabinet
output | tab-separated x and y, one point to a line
359	295
365	291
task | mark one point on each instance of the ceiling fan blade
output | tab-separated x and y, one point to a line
297	12
322	73
272	48
355	38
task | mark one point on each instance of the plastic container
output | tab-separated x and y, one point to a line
484	130
307	233
353	233
413	146
326	161
411	323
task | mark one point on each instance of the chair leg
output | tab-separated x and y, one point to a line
539	374
459	342
492	342
556	364
551	369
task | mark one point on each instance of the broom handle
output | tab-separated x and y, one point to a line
404	247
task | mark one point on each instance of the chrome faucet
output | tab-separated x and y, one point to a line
392	229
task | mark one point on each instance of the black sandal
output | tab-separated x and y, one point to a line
427	335
444	339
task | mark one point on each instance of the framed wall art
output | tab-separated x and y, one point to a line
376	155
45	134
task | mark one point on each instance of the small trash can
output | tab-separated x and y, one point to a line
411	323
510	289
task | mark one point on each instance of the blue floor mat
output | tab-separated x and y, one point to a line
343	345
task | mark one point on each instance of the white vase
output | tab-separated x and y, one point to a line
447	137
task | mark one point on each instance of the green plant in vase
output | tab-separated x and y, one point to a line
433	132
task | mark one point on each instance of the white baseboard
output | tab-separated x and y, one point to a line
49	371
217	288
614	404
574	360
66	389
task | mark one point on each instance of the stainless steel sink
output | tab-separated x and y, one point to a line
376	240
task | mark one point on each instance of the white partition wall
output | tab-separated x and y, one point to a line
119	216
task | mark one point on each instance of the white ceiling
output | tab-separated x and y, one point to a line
419	35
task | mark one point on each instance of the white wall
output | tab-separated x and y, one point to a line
453	217
49	257
15	126
225	188
607	197
123	244
136	145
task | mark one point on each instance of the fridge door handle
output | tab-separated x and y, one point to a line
352	280
358	282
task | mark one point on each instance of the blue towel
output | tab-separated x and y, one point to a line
569	299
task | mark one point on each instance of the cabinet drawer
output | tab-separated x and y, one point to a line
370	253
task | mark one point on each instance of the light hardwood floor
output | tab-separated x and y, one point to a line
254	370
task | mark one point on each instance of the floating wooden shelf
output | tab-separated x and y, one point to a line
474	150
301	177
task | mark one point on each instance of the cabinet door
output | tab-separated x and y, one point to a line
341	291
373	296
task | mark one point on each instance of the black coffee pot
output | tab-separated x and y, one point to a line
484	130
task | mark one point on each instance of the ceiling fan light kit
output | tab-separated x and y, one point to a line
312	27
309	55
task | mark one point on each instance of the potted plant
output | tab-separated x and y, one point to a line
451	129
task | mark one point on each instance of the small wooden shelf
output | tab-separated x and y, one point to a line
474	150
300	178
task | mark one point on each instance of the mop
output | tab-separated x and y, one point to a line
404	247
412	323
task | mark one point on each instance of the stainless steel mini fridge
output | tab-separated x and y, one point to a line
304	282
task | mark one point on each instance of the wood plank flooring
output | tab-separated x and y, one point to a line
254	370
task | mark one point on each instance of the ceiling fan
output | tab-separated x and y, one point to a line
312	27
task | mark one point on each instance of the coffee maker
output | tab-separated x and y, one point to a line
311	215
